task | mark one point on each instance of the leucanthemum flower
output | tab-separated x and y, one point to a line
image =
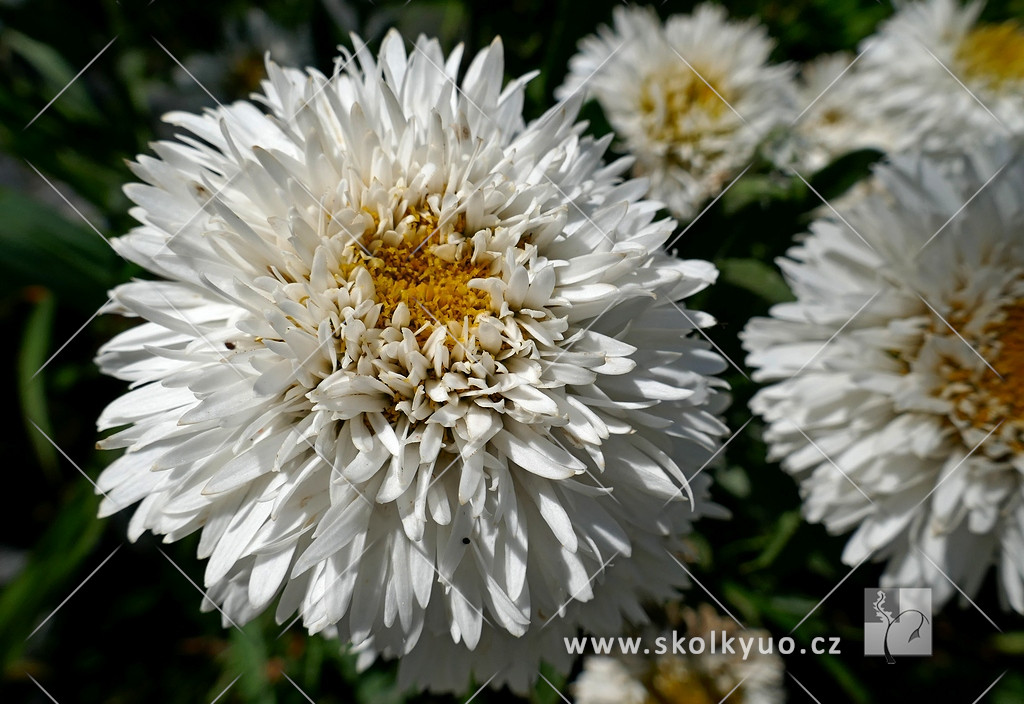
697	678
895	378
691	99
416	369
837	115
937	76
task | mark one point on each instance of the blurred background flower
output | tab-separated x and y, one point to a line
916	398
837	117
691	99
686	678
937	73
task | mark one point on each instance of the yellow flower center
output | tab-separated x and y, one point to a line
674	682
671	99
982	399
426	270
832	116
993	54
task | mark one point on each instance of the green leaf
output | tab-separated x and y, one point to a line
247	657
846	679
838	177
746	602
785	528
54	568
733	479
35	345
97	182
54	75
554	690
313	661
785	610
758	190
757	277
43	248
1010	690
378	687
1011	643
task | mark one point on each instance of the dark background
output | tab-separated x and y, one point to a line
132	632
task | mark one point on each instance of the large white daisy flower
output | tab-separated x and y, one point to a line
416	368
936	75
691	99
896	375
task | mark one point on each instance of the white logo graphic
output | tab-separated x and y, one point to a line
897	622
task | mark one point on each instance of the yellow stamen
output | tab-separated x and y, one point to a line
985	398
408	270
993	54
672	681
998	399
669	97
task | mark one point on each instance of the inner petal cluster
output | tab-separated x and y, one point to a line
427	264
677	99
990	392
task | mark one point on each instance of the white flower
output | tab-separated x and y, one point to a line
691	99
415	369
935	74
897	373
611	680
838	114
690	677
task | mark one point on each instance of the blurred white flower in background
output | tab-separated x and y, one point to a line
936	77
838	114
690	678
691	99
416	368
896	378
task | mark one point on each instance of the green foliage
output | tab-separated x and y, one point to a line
757	277
35	343
45	249
56	559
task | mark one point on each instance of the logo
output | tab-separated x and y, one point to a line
897	622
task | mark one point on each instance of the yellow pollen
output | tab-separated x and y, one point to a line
673	681
984	398
435	290
669	96
1005	395
993	54
832	116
